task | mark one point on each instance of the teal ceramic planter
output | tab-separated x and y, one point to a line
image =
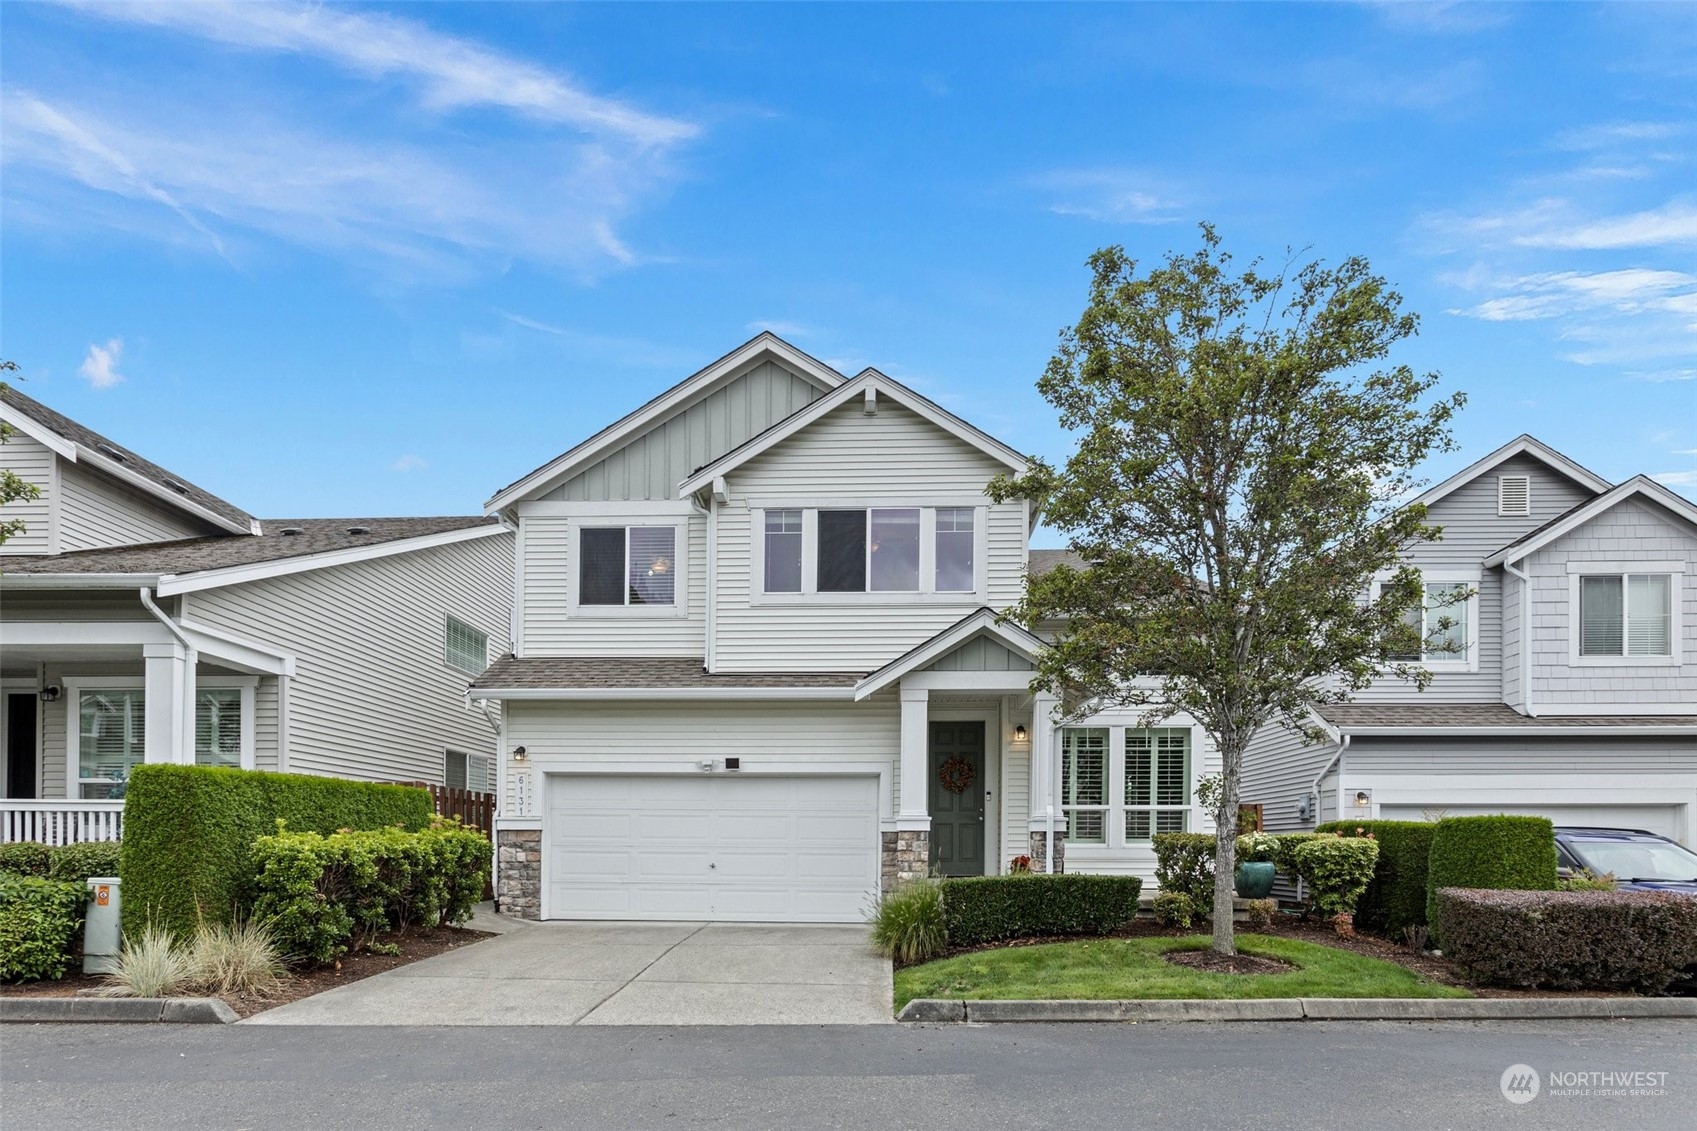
1254	879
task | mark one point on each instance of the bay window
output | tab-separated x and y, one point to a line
1629	614
1120	786
911	550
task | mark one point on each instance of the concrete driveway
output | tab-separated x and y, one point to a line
623	974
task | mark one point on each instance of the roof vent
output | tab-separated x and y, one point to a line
177	487
291	531
359	530
114	453
1514	495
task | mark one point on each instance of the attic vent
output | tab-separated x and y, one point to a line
359	530
177	487
114	453
291	531
1514	494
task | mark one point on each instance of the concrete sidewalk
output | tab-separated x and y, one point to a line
585	973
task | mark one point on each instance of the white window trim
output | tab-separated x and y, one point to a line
1443	662
447	661
1577	570
488	769
1114	835
75	686
926	594
680	565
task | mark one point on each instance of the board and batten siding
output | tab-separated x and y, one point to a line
1631	531
848	458
549	629
1279	769
1472	532
981	654
96	511
31	461
373	697
1538	757
653	464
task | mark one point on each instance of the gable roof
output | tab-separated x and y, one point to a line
980	622
1639	486
868	383
74	442
668	404
1522	444
1040	562
190	564
647	677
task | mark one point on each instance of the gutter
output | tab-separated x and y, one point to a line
1525	637
76	580
1314	787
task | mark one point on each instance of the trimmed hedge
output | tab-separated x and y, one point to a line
1613	940
1499	852
75	863
1396	899
1337	869
38	925
981	909
189	833
25	858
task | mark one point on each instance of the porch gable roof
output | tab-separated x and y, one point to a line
980	622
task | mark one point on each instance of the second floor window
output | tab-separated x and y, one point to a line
627	565
464	647
1626	615
1441	626
897	550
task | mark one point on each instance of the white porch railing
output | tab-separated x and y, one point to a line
61	822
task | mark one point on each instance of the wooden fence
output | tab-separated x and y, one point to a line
475	808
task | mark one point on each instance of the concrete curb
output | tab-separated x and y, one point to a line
1300	1009
184	1010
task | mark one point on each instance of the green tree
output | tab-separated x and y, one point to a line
1242	454
12	488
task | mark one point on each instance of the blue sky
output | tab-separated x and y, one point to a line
338	260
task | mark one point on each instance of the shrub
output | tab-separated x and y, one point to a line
189	833
1174	909
1261	912
149	965
25	858
38	926
75	863
1184	862
1499	852
908	922
1284	849
1569	940
1585	880
1336	871
234	958
1256	848
982	909
322	894
1396	899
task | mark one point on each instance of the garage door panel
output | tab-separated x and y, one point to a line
755	848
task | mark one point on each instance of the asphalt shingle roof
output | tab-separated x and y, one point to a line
589	672
146	468
193	555
1353	716
1042	561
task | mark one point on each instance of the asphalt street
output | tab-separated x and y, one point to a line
1246	1075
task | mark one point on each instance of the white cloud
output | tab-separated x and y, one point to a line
1110	196
101	364
1443	17
1676	478
532	324
1610	135
1632	290
1673	224
409	462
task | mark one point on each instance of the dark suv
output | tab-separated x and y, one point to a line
1639	860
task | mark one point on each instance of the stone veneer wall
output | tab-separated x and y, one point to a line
1039	842
906	856
518	887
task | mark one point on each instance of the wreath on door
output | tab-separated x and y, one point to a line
957	774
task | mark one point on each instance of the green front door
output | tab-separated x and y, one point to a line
957	798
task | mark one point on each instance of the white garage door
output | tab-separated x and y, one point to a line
711	846
1668	820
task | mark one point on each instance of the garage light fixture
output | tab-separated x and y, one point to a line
519	754
1363	798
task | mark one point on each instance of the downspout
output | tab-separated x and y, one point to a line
1314	791
1525	638
185	719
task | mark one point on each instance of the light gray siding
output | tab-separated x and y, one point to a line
1536	756
96	511
653	464
31	461
1279	769
1472	531
1633	531
981	654
373	696
848	458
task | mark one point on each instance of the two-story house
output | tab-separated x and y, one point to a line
757	672
145	619
1568	688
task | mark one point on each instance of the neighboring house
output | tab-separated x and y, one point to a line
144	619
1573	694
757	670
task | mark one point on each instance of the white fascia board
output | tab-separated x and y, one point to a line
1519	732
870	380
50	633
1637	487
39	432
674	400
238	650
982	622
660	693
171	584
1520	445
75	580
159	491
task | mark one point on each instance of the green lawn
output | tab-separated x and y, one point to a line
1105	969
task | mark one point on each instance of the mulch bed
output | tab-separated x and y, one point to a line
416	943
1220	964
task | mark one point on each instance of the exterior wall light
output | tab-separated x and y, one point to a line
1019	734
519	754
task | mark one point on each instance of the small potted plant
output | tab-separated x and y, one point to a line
1254	876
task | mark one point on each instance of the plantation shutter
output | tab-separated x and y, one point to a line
218	727
111	731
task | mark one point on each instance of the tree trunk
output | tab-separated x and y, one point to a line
1225	844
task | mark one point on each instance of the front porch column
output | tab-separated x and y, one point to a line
1048	825
169	721
916	770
